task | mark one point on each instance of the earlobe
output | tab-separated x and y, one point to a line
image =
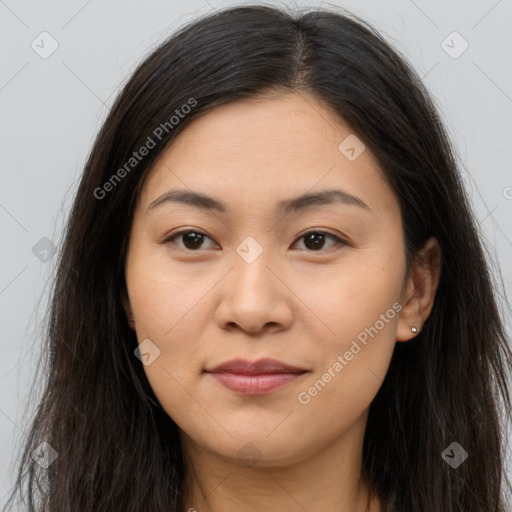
420	290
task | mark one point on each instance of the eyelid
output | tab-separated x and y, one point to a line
340	240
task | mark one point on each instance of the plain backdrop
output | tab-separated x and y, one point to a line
53	105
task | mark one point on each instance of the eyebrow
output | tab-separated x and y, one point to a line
294	205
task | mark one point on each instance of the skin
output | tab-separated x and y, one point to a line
206	305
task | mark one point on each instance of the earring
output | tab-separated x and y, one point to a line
413	329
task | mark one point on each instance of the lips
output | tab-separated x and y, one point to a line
255	378
261	366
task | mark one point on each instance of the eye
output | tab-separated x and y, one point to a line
315	239
192	239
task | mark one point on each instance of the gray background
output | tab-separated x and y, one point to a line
51	108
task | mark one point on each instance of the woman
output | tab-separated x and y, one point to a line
272	291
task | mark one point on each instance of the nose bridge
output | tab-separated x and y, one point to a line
253	296
251	273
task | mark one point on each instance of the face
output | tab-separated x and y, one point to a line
317	286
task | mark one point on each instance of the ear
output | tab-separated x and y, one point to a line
420	289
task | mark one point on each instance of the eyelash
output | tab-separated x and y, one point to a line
340	241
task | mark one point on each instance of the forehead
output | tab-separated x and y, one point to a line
262	150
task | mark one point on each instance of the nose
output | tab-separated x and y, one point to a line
254	297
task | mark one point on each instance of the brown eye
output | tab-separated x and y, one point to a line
191	239
315	240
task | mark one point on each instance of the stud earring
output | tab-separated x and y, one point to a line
413	329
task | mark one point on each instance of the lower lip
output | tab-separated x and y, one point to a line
255	384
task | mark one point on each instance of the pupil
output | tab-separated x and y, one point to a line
316	238
193	238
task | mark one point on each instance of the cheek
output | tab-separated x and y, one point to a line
167	300
175	323
361	309
167	309
345	299
348	374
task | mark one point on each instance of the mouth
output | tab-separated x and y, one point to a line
255	384
255	378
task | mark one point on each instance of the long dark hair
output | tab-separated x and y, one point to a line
117	448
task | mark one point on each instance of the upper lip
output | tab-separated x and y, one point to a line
245	367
